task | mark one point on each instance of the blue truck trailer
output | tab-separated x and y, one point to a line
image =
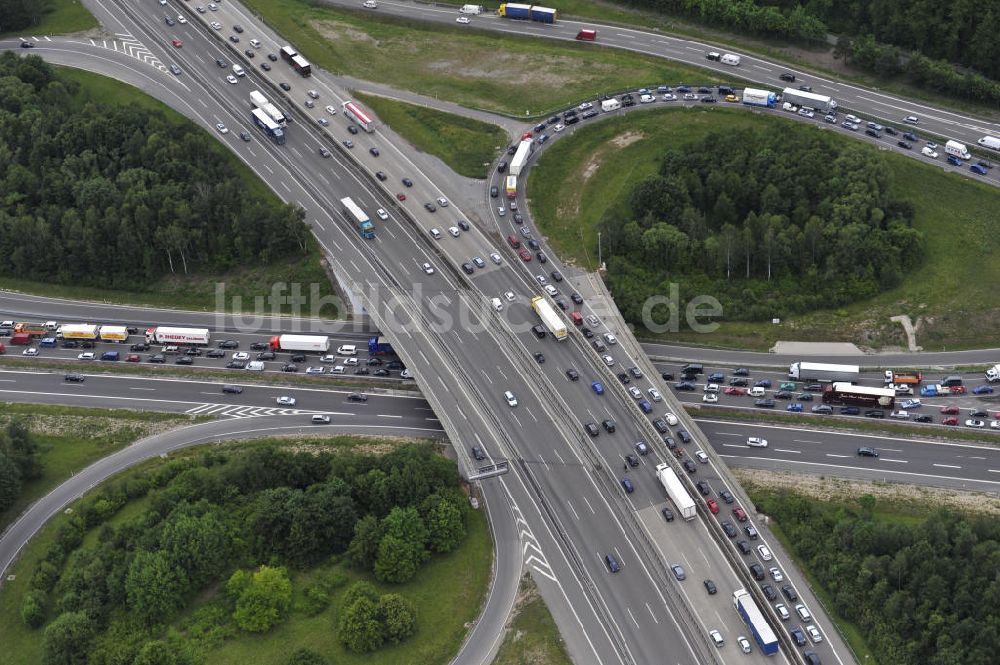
528	12
755	621
379	346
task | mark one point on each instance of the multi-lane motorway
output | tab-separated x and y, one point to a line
565	485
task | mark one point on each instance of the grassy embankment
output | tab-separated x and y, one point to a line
575	181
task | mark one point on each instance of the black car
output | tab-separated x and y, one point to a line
684	385
572	374
661	425
229	344
539	331
624	378
194	351
978	413
362	370
591	429
468	268
726	495
805	397
139	347
406	181
234	39
235	364
511	149
910	136
741	371
806	88
265	66
266	355
494	191
708	99
667	376
875	413
27	44
71	344
703	488
669	441
609	425
798	635
381	371
249	53
739	382
743	546
586	332
221	63
814	387
866	451
757	571
540	127
729	528
354	130
215	353
533	244
371	362
258	346
783	394
576	298
272	57
684	436
539	357
289	367
631	461
158	358
380	175
477	452
769	592
764	403
785	76
849	410
874	133
74	378
689	466
924	419
891	132
904	145
668	514
710	587
704	90
184	360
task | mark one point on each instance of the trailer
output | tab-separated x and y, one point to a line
549	317
909	378
524	149
609	105
358	217
471	9
730	59
268	126
77	331
510	187
379	346
20	338
866	396
314	343
991	142
527	12
114	334
170	335
363	120
810	99
301	65
675	490
823	372
287	53
33	329
755	621
755	97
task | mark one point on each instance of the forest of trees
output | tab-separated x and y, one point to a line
118	196
950	47
20	14
771	222
242	522
922	591
18	462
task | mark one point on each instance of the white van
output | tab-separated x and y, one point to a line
756	391
347	350
238	70
497	305
255	366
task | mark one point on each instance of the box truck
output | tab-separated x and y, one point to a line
957	149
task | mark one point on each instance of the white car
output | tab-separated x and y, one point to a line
497	305
285	400
559	127
670	418
927	152
912	119
315	370
756	442
32	351
814	634
712	388
255	43
995	424
541	279
806	113
610	339
593	320
222	128
585	106
655	395
83	356
744	644
635	392
608	360
900	414
803	612
495	258
443	202
509	295
382	214
701	456
462	19
765	554
511	400
332	110
406	374
646	99
782	612
501	211
453	230
975	423
347	350
903	389
320	420
436	234
241	355
710	398
215	24
776	574
371	4
717	638
313	94
669	97
181	19
329	358
352	362
428	268
232	79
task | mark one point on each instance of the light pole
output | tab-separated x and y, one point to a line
599	261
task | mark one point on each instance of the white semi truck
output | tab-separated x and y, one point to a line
675	490
549	317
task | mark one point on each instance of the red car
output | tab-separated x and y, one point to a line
514	241
401	197
733	390
525	255
957	390
740	514
950	410
678	453
176	43
950	421
133	358
713	505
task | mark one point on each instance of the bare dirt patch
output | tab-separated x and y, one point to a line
838	489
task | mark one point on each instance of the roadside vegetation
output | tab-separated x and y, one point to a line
911	583
517	76
41	446
589	177
166	218
531	634
467	146
298	552
43	17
